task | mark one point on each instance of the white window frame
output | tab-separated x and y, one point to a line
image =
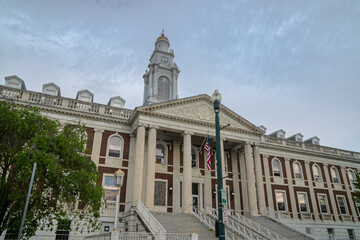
306	201
161	80
280	167
285	202
108	187
346	208
121	146
351	173
165	159
326	202
336	172
196	157
319	177
300	171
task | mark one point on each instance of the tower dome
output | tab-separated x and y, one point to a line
162	43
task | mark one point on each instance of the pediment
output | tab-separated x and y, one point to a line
199	109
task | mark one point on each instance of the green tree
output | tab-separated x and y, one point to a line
65	177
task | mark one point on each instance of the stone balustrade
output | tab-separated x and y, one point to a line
62	102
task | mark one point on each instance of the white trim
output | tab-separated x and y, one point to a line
346	208
272	166
326	201
165	160
337	175
121	146
306	202
320	179
196	157
285	202
300	170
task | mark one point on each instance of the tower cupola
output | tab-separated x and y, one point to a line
161	77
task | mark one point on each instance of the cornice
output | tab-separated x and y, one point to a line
307	152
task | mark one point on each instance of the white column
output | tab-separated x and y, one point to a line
235	164
312	196
130	175
251	180
150	170
95	152
187	182
331	193
291	189
207	185
349	195
259	181
139	164
268	182
176	178
244	186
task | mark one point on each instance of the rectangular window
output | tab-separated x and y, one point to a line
342	205
110	190
302	198
351	234
331	232
280	200
63	230
323	203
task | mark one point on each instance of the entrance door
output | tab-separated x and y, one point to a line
195	195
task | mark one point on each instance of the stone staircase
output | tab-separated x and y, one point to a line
184	223
279	228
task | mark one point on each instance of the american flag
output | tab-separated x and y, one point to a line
207	149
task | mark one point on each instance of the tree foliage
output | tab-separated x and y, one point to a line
65	177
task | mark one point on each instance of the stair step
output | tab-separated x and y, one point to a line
184	223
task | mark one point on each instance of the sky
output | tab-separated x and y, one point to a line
284	64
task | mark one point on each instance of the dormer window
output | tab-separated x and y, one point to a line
51	89
85	96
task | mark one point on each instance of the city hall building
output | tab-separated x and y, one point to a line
160	148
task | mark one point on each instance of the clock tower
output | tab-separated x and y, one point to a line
161	77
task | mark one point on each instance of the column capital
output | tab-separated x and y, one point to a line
188	132
325	164
99	130
287	159
343	167
223	138
153	126
265	156
141	125
132	135
307	162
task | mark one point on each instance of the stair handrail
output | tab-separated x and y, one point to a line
151	221
258	227
210	222
294	223
237	227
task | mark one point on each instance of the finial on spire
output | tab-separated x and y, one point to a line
162	32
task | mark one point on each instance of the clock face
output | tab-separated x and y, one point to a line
164	60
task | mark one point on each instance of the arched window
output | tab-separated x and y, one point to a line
276	168
160	153
114	146
335	175
352	177
164	87
297	170
316	173
194	158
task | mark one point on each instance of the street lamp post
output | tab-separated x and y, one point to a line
119	179
216	98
